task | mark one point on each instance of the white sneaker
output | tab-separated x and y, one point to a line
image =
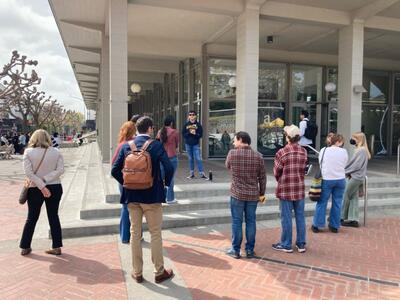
172	201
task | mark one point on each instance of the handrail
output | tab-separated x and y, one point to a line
365	200
313	149
398	156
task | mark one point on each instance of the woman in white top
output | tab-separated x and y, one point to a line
45	186
333	162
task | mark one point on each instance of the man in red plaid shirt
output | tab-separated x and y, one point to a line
247	188
290	162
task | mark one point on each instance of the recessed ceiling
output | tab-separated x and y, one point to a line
344	5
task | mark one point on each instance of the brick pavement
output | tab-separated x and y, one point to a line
87	271
370	253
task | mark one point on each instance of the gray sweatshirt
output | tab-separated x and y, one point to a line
357	166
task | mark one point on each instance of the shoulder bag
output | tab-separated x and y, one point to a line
316	183
23	196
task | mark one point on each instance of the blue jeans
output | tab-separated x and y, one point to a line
248	208
193	152
124	222
169	190
286	207
336	188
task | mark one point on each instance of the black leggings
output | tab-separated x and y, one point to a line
35	201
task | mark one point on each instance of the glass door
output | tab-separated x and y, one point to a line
396	115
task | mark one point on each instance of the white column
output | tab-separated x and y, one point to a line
247	59
105	99
351	54
118	29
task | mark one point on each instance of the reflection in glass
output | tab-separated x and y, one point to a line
221	124
271	120
375	109
222	112
306	84
272	81
396	128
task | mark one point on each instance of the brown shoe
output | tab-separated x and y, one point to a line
164	276
54	251
139	278
26	251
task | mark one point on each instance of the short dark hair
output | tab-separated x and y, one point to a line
143	124
193	112
135	118
294	139
305	113
244	137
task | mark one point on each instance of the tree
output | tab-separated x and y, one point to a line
17	86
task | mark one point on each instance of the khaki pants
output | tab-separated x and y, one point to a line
153	214
350	210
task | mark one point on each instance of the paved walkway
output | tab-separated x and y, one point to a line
357	263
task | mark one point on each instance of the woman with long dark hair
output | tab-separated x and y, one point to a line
169	137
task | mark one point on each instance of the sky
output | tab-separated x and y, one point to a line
29	27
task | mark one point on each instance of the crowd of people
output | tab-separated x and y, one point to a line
144	165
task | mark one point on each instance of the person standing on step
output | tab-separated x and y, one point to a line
289	165
126	133
192	132
356	171
332	161
169	137
247	188
43	166
308	133
144	200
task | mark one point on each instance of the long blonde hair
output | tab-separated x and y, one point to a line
40	139
361	141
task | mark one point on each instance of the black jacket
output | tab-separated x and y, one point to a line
192	139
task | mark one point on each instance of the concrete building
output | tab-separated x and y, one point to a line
248	65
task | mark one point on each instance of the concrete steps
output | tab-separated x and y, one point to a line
92	204
201	217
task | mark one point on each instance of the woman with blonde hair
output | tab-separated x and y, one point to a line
43	165
356	170
127	133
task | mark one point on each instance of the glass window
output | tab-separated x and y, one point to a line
306	84
197	82
272	81
222	99
332	77
375	110
271	120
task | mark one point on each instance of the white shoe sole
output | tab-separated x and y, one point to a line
301	250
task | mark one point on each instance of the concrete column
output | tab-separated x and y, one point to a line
105	99
191	83
247	59
99	121
204	101
351	53
118	29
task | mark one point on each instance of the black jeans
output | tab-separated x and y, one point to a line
35	201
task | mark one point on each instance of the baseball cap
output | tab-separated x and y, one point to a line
291	131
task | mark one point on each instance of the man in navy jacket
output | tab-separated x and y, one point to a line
192	132
146	202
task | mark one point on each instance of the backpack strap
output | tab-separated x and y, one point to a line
147	144
132	145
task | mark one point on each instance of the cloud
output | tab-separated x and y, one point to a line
29	27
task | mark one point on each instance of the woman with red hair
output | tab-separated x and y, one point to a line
127	133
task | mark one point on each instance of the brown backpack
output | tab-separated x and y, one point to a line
137	171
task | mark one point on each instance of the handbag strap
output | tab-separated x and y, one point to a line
40	163
322	159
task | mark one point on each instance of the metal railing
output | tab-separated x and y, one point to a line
313	149
365	200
